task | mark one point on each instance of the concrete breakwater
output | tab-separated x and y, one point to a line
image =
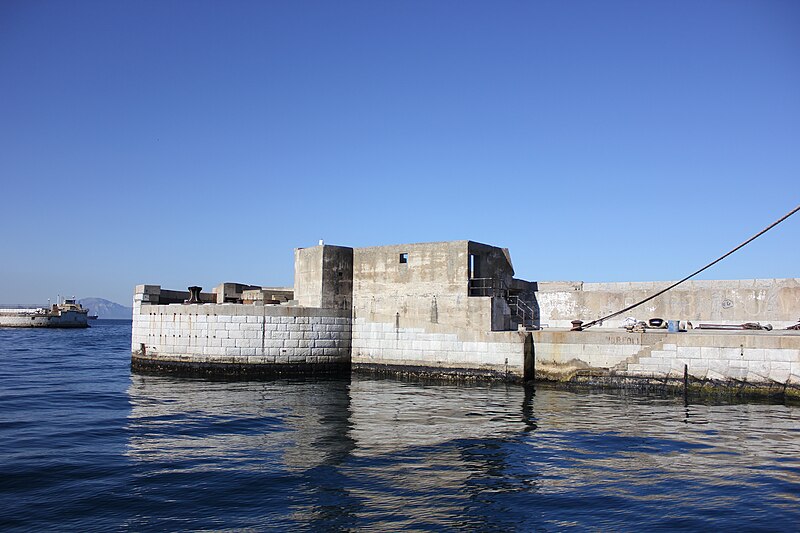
231	339
749	362
445	309
450	309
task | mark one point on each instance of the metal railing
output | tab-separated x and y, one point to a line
487	287
497	287
521	309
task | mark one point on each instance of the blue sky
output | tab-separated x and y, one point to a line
180	143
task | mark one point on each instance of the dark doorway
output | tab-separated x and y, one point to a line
529	364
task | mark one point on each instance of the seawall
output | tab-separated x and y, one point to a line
438	351
232	339
757	362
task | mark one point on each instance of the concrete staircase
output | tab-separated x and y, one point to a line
645	352
521	313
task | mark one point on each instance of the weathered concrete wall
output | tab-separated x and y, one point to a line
756	358
559	353
337	277
323	276
419	313
774	301
431	288
308	276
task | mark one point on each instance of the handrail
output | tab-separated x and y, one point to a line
498	287
522	309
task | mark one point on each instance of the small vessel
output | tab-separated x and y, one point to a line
92	317
68	314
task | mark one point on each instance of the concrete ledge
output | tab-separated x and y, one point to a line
434	373
723	388
145	365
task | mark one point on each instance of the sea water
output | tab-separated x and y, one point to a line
85	445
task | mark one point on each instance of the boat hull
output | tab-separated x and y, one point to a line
66	319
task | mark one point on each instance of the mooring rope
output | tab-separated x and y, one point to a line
659	293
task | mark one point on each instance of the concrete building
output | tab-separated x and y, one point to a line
456	309
432	308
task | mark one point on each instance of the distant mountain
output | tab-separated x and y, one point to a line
106	309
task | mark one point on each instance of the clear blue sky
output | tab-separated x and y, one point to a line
180	143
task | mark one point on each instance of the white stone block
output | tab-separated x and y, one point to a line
780	371
324	343
245	343
718	366
689	352
731	354
781	355
710	353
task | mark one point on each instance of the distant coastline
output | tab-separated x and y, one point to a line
106	309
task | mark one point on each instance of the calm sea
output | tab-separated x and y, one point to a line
85	445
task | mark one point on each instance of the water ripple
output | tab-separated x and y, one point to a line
85	445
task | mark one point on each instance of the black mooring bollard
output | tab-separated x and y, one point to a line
194	295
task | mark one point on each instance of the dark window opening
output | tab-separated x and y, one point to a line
404	258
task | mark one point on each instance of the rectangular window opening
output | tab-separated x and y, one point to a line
403	258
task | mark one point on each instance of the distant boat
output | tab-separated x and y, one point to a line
92	317
69	314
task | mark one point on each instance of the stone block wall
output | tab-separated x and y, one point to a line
239	333
379	344
558	354
757	358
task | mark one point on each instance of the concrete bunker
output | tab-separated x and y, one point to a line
449	307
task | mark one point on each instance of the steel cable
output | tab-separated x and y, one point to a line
659	293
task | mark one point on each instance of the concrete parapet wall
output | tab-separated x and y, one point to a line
381	343
775	301
241	334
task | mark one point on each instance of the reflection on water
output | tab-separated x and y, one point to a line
87	446
383	454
